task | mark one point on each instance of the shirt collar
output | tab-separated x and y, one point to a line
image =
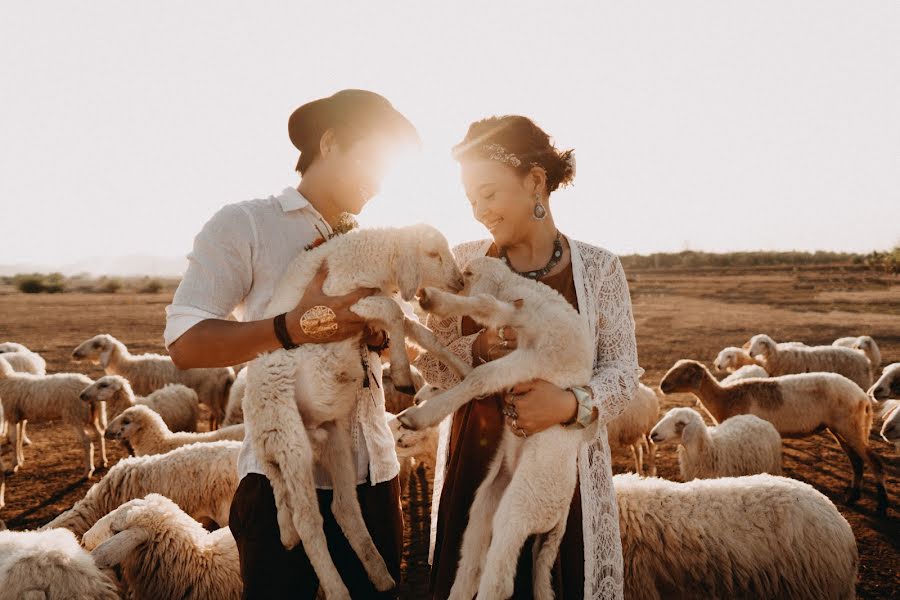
290	199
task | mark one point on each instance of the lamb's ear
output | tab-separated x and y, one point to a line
117	548
105	356
518	303
406	266
690	432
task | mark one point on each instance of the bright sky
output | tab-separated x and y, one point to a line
710	125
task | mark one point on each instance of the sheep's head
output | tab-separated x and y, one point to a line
672	425
12	347
761	345
5	368
98	349
729	359
127	424
888	385
684	376
104	389
426	261
118	534
484	275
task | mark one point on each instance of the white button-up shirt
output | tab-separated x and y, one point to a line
238	258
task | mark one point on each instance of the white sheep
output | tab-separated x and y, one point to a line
22	360
785	359
200	478
28	397
414	448
234	410
759	536
175	403
540	472
149	372
890	429
144	432
2	466
864	344
888	384
797	405
732	358
50	565
299	404
164	553
394	400
632	428
745	372
739	445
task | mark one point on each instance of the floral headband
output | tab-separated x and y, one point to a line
499	153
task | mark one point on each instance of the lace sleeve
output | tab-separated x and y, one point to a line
447	330
616	370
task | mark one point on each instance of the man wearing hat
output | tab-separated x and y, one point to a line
237	259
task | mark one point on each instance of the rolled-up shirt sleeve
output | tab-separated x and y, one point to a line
219	273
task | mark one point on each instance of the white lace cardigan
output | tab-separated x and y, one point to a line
604	302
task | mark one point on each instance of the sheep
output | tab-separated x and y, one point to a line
782	359
164	553
22	360
299	403
530	482
2	466
797	405
759	536
144	432
632	428
175	403
395	401
890	429
200	478
864	344
47	397
888	384
745	372
149	372
234	410
731	359
414	448
740	445
50	565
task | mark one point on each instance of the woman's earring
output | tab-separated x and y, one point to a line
539	211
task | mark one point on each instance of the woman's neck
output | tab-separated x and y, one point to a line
534	250
321	200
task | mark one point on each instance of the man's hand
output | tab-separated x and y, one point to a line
349	323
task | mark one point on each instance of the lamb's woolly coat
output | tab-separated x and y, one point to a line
50	565
632	429
864	344
164	553
174	402
784	359
200	478
739	445
150	372
745	372
144	432
760	536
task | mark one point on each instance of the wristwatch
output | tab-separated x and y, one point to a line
585	414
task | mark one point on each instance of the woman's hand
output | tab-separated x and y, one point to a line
349	323
490	345
536	405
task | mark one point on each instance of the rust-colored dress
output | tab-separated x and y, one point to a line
474	437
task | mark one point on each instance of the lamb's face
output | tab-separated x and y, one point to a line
93	349
727	360
437	265
685	376
671	425
404	438
102	390
888	385
124	426
483	275
864	343
761	345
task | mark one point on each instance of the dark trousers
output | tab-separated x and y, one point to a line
270	571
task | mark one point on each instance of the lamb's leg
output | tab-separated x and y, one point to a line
495	376
88	445
546	549
429	342
863	453
15	441
856	461
477	536
484	309
25	439
338	460
99	431
651	456
638	456
389	316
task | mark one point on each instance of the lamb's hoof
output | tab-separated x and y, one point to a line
385	583
425	299
16	469
852	496
406	389
408	419
26	442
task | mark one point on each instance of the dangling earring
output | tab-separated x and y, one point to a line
539	211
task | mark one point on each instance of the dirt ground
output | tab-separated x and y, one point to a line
678	314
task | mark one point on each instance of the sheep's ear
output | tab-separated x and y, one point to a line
689	431
105	356
117	548
407	269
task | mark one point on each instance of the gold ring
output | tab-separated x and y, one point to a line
501	333
319	322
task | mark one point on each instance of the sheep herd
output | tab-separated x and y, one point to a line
732	527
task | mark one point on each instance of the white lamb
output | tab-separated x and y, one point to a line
164	553
797	405
149	372
28	397
745	372
890	428
177	404
632	428
739	445
144	432
864	344
529	484
50	565
299	403
234	410
781	359
731	359
887	387
888	384
200	478
760	536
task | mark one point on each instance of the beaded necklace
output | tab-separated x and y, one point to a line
555	257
